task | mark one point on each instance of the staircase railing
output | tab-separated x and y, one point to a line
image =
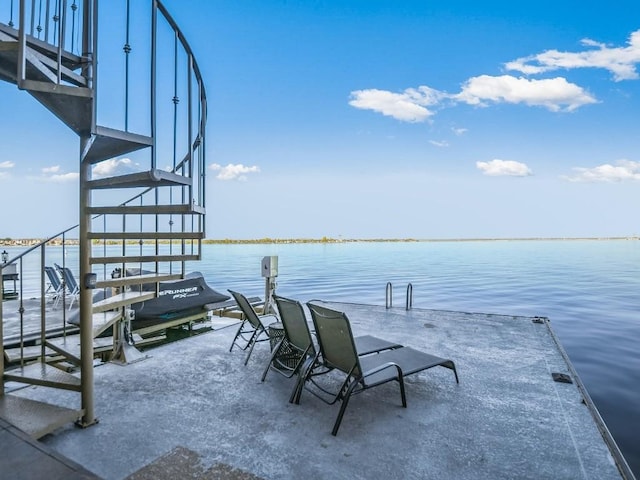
25	285
53	29
53	22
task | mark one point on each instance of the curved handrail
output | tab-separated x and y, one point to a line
185	44
409	302
197	142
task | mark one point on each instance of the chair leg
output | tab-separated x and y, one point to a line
233	343
303	373
343	406
56	300
252	343
452	366
402	392
275	353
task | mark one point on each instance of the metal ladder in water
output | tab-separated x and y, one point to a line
389	296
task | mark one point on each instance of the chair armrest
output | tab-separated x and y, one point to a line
266	325
384	366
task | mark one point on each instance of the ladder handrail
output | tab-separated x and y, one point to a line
388	302
409	302
388	296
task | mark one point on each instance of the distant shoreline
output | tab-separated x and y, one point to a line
25	242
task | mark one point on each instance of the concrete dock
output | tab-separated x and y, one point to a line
191	409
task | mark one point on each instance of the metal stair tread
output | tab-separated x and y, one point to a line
143	279
72	105
122	299
108	143
43	374
144	259
28	353
61	346
147	209
35	418
149	179
103	320
146	235
71	344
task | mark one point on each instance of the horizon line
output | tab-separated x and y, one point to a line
266	240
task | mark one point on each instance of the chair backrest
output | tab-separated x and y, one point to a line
69	279
335	339
54	279
247	310
295	324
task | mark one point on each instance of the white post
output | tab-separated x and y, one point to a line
269	272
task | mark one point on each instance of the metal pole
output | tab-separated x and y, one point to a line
154	33
43	301
22	38
62	13
268	295
1	335
85	300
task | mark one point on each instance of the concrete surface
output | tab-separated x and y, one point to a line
193	410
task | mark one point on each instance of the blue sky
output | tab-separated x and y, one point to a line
386	118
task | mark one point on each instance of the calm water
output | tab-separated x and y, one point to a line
590	290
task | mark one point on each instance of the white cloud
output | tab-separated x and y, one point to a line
554	93
233	172
408	106
443	143
112	167
53	174
64	177
620	61
51	170
498	168
5	165
459	131
623	170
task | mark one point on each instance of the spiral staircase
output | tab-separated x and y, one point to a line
143	109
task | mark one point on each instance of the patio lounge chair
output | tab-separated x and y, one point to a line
70	282
296	345
252	330
55	287
339	351
296	352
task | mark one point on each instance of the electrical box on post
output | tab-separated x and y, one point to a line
270	267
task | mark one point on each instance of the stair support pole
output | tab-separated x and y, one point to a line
86	294
1	337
